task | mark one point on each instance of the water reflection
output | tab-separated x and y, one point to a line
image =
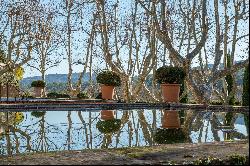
108	125
41	131
76	130
12	135
171	130
210	126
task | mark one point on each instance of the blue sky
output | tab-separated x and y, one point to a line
63	67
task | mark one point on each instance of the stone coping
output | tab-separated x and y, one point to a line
98	104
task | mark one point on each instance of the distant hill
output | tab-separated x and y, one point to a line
58	82
239	74
220	66
62	78
58	78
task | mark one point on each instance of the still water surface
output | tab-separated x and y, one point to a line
76	130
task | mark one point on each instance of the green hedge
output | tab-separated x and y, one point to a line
82	95
57	95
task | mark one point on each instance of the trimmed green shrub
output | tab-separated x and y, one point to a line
63	95
108	78
216	102
237	103
170	75
108	126
27	95
82	95
99	96
245	94
52	95
38	114
170	136
38	83
57	95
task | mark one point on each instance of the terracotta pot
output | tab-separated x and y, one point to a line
170	92
107	114
107	92
171	120
38	91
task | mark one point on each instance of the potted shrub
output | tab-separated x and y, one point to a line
108	81
52	95
170	79
38	87
82	95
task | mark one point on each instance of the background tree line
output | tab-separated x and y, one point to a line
131	38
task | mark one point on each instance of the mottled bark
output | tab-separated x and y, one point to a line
69	51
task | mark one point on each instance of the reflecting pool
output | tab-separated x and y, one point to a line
24	132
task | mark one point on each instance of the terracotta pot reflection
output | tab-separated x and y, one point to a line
171	120
107	92
107	114
170	92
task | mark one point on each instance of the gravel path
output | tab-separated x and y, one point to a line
161	154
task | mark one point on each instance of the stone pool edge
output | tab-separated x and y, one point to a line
75	105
